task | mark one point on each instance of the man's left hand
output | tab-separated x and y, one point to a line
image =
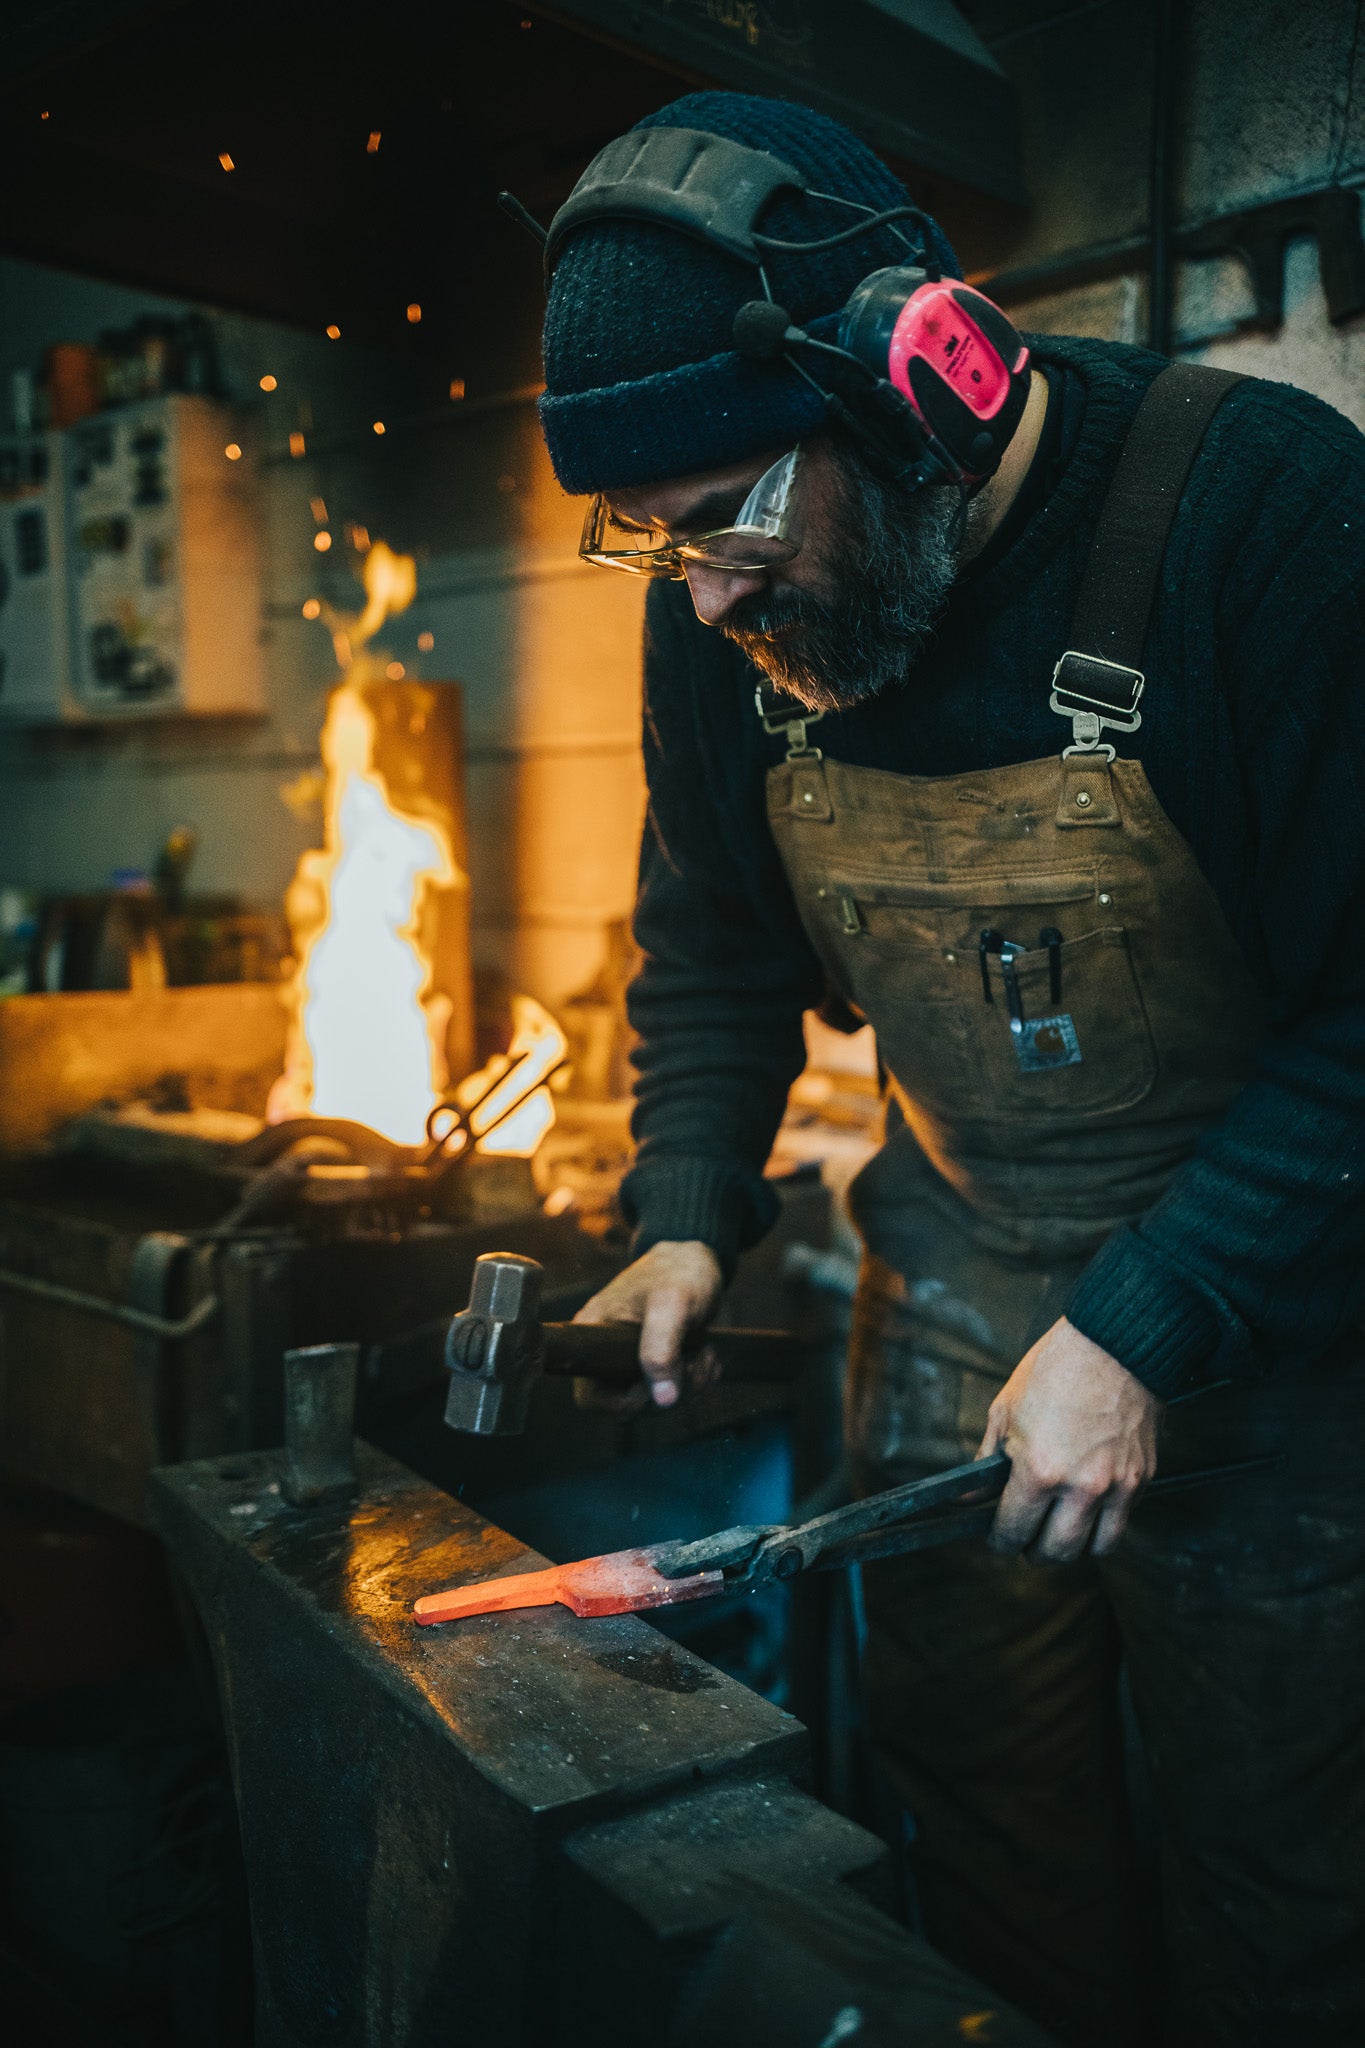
1081	1436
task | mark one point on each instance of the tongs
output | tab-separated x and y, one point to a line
945	1508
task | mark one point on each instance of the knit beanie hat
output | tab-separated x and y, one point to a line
642	381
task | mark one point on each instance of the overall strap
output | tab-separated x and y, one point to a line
1099	681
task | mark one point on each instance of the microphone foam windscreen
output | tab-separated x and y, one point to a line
760	330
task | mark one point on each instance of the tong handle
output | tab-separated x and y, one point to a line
793	1550
896	1539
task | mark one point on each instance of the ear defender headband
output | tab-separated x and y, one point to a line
927	374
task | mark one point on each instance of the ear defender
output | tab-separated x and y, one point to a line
943	376
951	355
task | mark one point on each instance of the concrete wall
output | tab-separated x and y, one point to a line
1270	101
547	651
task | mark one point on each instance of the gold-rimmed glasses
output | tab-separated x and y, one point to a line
763	535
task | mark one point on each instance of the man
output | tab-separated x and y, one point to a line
1121	1007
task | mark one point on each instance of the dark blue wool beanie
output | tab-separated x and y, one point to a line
641	379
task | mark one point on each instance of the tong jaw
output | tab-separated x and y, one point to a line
732	1552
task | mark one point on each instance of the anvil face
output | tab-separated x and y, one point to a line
623	1582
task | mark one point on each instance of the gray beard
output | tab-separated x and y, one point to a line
891	569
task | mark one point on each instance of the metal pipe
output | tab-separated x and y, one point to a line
166	1327
1161	281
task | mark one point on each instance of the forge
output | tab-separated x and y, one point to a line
196	1180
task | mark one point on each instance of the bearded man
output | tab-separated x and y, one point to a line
1115	966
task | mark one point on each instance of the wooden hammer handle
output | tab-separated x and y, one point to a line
610	1352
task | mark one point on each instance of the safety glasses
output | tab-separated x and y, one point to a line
763	535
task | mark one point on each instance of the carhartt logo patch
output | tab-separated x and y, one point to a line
1045	1043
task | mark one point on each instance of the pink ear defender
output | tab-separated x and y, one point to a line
951	355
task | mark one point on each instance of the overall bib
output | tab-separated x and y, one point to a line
1061	1012
1061	1009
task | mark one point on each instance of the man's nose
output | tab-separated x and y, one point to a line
716	592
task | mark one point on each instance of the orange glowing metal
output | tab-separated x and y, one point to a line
510	1106
624	1582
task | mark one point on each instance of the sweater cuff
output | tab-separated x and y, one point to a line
677	1198
1144	1315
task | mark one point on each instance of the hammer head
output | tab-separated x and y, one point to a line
493	1347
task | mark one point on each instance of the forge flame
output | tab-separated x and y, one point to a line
367	1029
367	1024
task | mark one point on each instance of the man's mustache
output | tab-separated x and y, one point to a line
765	613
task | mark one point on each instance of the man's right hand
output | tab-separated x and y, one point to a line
670	1291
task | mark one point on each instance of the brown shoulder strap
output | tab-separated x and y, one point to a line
1098	681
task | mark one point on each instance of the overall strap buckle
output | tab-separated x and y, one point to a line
784	715
1096	695
1119	584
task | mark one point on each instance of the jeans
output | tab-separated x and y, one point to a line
1237	1610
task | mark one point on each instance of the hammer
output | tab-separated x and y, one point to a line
497	1348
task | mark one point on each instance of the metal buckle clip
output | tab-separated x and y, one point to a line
1094	694
791	724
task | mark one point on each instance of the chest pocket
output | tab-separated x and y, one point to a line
994	998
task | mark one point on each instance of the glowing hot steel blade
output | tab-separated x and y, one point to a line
623	1582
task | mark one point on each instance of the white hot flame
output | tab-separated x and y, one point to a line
367	1035
373	1055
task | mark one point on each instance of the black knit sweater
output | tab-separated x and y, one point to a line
1253	739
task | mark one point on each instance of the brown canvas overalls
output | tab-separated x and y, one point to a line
1061	1010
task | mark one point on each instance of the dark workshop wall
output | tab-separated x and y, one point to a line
1267	106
